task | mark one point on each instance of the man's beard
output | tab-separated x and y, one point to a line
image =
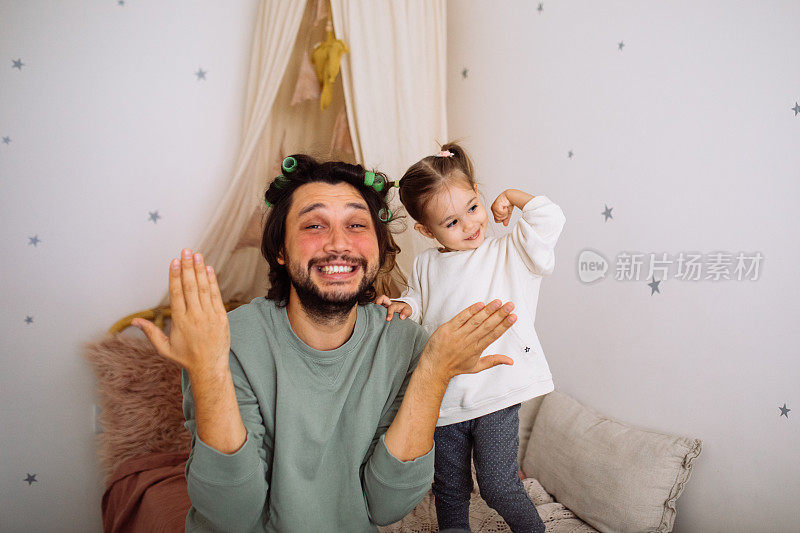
335	306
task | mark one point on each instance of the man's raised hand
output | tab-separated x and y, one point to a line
200	337
456	346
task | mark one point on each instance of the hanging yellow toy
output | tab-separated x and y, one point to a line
327	57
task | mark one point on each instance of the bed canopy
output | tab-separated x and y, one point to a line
387	110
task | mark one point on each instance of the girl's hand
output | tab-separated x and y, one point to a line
502	209
393	307
200	337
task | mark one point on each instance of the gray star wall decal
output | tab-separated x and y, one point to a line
154	216
34	240
570	154
796	109
120	2
201	74
654	286
29	319
607	213
6	140
465	73
620	45
540	8
31	479
784	411
17	63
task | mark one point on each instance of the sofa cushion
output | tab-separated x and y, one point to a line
482	519
612	475
527	414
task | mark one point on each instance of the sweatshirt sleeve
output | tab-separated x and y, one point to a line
227	491
392	488
413	293
535	234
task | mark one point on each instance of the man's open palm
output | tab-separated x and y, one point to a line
200	338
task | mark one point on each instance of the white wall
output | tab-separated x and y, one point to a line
107	122
687	133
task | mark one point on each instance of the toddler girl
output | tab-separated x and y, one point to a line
478	418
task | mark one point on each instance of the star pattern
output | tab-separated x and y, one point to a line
784	411
201	74
34	240
540	8
154	216
621	45
527	349
465	73
796	108
6	140
120	2
17	63
31	479
654	286
570	154
607	213
29	319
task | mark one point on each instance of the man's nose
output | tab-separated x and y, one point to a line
338	241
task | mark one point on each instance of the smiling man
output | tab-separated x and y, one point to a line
308	410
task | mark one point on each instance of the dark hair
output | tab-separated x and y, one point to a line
426	177
279	196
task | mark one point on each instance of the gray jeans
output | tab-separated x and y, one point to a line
492	442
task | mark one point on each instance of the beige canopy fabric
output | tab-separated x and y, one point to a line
388	110
395	87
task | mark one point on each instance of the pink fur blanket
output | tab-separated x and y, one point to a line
140	397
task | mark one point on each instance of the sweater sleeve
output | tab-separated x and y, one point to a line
413	293
392	488
535	234
227	491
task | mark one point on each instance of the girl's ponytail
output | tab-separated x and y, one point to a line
424	178
460	160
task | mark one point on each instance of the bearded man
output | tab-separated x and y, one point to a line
309	411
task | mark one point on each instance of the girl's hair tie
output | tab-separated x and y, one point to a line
445	153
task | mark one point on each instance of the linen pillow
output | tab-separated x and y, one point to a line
527	415
613	476
140	399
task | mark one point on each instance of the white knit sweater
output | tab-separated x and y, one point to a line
509	268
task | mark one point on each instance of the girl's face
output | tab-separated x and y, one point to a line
456	218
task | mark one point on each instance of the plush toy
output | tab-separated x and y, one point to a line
327	57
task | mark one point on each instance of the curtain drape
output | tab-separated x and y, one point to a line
392	88
277	24
395	87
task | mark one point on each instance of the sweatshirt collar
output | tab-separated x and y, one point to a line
324	355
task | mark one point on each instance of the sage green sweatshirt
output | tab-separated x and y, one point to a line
315	458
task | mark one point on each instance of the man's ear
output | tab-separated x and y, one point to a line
280	259
425	231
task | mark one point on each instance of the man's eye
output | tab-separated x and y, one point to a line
357	225
473	208
313	226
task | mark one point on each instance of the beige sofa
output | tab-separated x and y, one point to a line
585	472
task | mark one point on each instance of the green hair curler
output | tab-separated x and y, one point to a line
289	164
